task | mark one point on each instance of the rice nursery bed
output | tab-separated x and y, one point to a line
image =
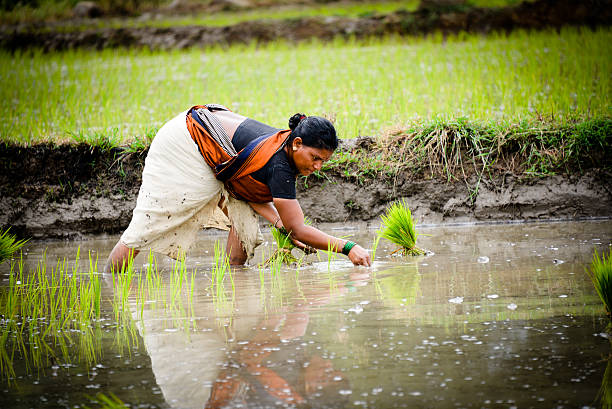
366	86
501	314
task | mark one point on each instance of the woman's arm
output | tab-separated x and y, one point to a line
267	211
292	218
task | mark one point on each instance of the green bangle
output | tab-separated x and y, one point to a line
347	247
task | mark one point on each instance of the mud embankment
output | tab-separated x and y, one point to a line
528	15
75	190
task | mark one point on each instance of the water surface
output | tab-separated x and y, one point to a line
497	316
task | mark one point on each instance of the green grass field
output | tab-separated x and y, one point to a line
365	86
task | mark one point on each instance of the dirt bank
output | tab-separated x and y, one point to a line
74	190
528	15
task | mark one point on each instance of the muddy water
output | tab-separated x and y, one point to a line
497	316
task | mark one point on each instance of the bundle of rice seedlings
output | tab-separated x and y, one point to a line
284	245
398	227
8	245
600	273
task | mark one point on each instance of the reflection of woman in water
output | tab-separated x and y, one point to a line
276	367
209	157
257	352
261	375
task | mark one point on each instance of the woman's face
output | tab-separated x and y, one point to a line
308	159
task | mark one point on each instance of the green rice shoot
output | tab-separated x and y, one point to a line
398	227
220	269
284	246
9	245
50	313
600	272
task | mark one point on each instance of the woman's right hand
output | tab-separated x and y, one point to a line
360	256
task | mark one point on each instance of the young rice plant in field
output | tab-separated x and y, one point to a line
50	313
600	272
398	227
284	246
9	245
221	267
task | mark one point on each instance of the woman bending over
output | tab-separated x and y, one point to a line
212	167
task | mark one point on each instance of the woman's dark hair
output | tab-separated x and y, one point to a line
315	131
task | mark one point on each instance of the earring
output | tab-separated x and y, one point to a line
294	149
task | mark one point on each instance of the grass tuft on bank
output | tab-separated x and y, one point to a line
464	150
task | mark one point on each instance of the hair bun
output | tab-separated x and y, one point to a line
295	120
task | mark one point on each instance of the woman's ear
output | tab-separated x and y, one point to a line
297	143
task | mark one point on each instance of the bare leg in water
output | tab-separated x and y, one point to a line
119	257
236	254
121	254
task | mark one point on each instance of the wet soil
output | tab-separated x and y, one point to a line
528	15
69	191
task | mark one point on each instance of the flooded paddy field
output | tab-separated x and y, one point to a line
499	315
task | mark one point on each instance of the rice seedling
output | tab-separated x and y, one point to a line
181	286
331	255
220	269
9	245
277	285
174	298
122	283
50	315
284	246
600	272
375	246
126	336
398	227
54	313
177	278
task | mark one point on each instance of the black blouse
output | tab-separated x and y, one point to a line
279	174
